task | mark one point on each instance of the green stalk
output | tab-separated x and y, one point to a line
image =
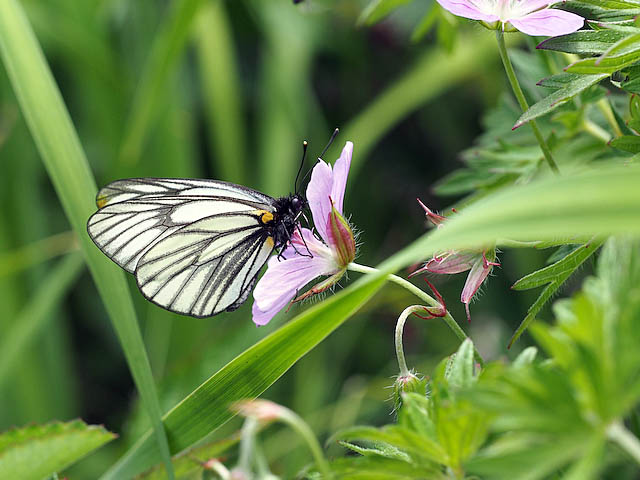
29	323
65	161
517	91
626	440
220	84
448	319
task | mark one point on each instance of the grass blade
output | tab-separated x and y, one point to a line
27	325
247	376
166	49
424	81
219	81
65	161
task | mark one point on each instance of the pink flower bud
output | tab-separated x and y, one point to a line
262	410
434	218
340	238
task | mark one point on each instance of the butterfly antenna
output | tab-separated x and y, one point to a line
304	156
333	136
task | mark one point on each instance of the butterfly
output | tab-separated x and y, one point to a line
195	246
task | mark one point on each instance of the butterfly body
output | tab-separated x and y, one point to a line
195	246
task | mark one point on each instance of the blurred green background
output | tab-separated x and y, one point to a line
229	90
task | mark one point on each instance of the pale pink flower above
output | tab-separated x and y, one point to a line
533	17
307	256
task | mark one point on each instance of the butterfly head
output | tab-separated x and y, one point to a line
287	212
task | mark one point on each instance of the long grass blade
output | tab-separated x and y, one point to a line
219	81
425	80
65	161
166	50
28	324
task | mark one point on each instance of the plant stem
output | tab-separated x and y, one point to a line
402	363
596	131
607	112
298	424
453	325
517	91
619	434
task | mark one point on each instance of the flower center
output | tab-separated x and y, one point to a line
507	9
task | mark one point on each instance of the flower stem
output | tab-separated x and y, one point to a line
618	433
606	110
402	363
517	91
296	423
453	325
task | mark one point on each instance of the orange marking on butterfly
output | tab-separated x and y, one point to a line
101	201
265	216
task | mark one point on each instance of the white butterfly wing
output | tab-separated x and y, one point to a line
195	246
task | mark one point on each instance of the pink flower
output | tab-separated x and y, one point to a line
533	17
307	256
458	261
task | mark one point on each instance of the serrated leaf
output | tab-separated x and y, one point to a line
555	275
609	64
526	357
627	143
460	374
557	98
38	451
589	42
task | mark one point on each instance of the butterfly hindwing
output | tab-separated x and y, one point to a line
195	246
203	268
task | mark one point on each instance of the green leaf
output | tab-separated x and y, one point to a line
603	201
557	98
588	42
460	373
245	377
376	10
526	357
38	451
66	164
554	275
627	143
619	55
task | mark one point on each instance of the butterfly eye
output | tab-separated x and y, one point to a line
296	203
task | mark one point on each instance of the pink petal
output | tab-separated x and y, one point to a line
477	275
284	278
318	194
340	174
548	23
533	5
467	9
452	263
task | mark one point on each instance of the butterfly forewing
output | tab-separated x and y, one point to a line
195	246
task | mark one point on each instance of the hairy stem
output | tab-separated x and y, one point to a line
449	320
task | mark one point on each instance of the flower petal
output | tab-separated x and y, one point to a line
453	263
284	278
340	174
318	195
477	275
467	9
548	23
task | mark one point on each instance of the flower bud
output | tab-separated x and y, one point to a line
407	383
341	238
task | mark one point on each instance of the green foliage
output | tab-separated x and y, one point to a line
38	451
559	415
